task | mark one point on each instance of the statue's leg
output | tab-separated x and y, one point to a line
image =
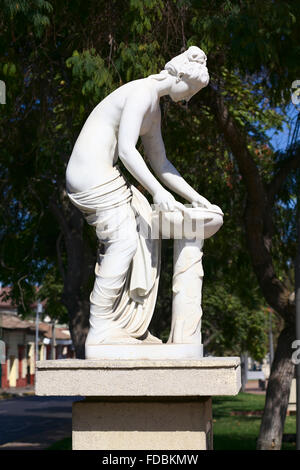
116	229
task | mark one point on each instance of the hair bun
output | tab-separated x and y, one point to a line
195	54
190	65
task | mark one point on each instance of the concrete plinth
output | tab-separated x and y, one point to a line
133	425
141	404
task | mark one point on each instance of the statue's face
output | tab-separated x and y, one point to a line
182	90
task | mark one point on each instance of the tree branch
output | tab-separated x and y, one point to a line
60	217
236	140
59	258
289	164
258	212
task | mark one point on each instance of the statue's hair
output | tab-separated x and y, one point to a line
189	66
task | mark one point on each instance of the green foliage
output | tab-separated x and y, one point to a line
145	13
59	59
139	60
9	69
247	104
230	327
51	292
89	69
236	422
35	12
251	37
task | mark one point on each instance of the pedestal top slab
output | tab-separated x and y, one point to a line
139	378
203	363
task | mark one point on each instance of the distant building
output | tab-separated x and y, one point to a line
19	338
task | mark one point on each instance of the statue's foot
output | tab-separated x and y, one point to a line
148	338
114	336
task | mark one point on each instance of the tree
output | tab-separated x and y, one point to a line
263	64
52	86
57	69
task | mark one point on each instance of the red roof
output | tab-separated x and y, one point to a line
60	333
13	322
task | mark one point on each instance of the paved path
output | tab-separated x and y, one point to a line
252	386
34	422
16	392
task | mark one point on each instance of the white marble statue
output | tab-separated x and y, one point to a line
127	271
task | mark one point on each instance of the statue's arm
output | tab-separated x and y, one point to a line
164	169
133	113
129	130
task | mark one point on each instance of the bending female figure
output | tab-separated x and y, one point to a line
127	269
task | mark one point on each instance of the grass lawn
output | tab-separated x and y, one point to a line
239	432
64	444
231	432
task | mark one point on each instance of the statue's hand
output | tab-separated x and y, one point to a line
200	201
166	201
213	207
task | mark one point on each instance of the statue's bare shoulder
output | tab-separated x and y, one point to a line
140	107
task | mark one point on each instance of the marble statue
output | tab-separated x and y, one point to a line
127	269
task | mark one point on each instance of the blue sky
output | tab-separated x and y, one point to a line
281	139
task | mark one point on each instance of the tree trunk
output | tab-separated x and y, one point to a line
259	231
77	289
78	322
78	273
278	392
244	370
297	300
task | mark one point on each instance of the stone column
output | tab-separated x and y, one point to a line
187	292
142	424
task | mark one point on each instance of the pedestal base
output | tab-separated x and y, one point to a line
144	351
145	425
141	404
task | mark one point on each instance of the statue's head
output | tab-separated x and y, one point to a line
189	71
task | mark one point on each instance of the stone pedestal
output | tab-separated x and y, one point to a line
140	404
142	425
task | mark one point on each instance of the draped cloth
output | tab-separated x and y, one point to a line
128	263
